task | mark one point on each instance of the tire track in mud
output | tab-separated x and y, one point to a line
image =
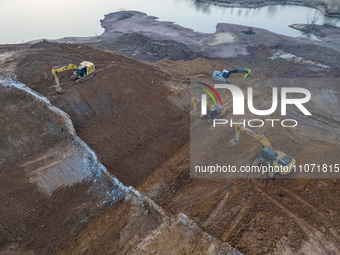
332	231
301	200
244	212
5	233
240	229
234	213
315	236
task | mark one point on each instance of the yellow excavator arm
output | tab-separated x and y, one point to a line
59	69
249	131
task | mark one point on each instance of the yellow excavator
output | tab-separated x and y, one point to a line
80	72
268	156
212	110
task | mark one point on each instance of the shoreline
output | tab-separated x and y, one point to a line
144	37
322	7
329	35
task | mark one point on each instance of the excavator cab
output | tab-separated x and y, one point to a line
285	160
215	111
85	68
267	156
212	110
81	71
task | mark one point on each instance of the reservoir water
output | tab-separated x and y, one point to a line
23	20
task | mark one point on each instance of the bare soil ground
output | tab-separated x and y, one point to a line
71	206
295	216
282	216
34	213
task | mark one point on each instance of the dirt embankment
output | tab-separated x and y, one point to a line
45	177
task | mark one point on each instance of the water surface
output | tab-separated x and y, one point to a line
26	20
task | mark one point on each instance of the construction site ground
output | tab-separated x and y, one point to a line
134	115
